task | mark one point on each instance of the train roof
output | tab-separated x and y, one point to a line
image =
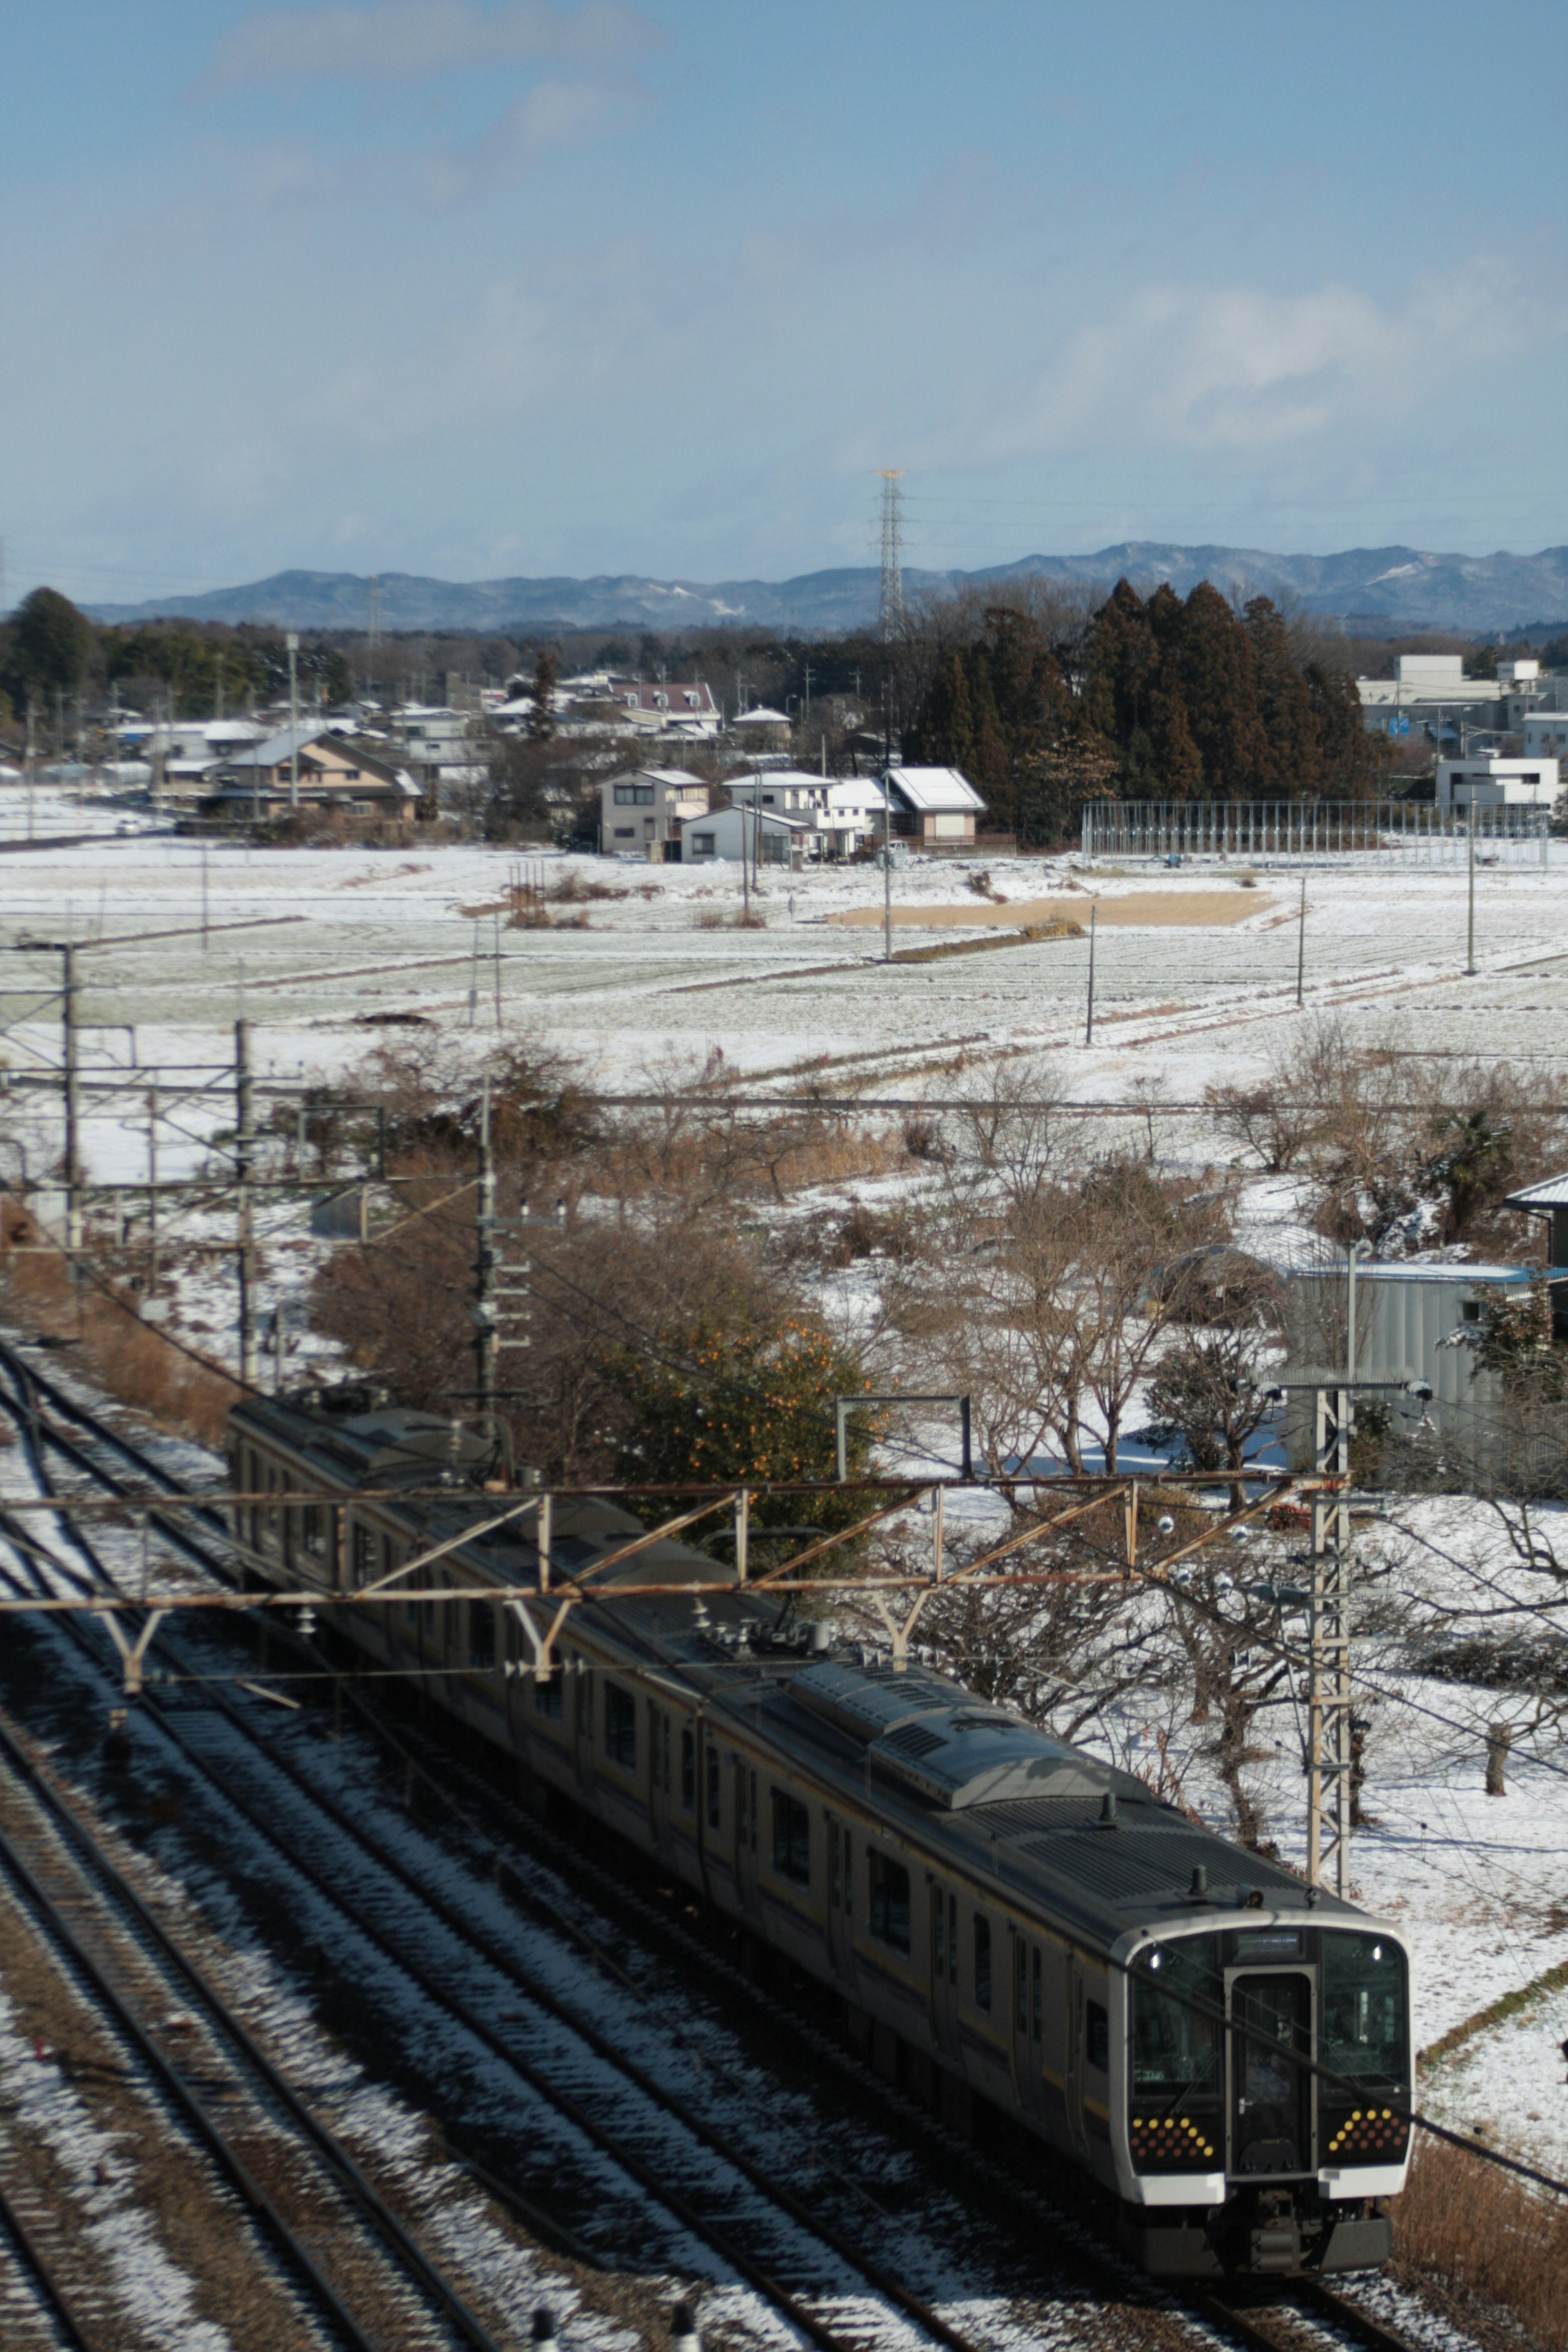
1053	1828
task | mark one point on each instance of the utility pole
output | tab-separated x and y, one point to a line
72	1099
893	596
1470	936
153	1191
293	642
1329	1727
887	876
245	1252
1302	947
486	1335
1088	1026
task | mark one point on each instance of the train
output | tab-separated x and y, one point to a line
1024	1936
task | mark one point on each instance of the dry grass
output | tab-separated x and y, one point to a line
1484	2241
132	1360
715	918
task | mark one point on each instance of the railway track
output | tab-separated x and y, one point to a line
1315	2312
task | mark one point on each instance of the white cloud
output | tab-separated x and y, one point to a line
1238	369
552	115
395	41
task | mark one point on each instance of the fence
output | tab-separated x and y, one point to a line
1277	833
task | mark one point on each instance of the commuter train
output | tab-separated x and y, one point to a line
1014	1928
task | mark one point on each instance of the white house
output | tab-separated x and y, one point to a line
729	835
844	811
936	807
1487	779
762	729
643	810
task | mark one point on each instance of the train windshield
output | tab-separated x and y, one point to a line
1175	2073
1362	2035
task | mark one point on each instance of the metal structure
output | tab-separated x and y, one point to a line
1330	1726
1276	833
892	601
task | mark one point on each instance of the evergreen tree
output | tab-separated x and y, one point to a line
1220	689
51	643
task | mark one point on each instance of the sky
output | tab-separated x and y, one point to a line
479	288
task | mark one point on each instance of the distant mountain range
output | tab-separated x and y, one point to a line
1379	590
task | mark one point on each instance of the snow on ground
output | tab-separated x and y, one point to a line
658	978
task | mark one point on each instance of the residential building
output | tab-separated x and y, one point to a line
1487	779
642	810
763	835
935	808
331	773
1545	734
845	811
762	729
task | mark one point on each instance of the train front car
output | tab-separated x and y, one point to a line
1262	2112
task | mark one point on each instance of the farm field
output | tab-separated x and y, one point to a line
641	975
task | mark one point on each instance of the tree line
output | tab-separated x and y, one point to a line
1168	699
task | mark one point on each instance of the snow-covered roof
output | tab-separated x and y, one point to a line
761	716
675	777
277	748
931	789
1551	1193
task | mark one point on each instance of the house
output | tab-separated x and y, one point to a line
642	810
1487	779
1430	695
762	729
1550	1200
332	773
935	808
764	835
844	811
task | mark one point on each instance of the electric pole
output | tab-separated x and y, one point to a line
245	1252
486	1336
892	597
1089	1024
1329	1727
1302	947
293	642
72	1099
1470	936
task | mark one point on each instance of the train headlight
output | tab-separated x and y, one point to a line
1154	1959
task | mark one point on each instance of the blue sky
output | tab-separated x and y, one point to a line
478	287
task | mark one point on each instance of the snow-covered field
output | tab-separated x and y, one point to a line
657	978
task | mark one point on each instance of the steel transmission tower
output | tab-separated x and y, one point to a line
892	558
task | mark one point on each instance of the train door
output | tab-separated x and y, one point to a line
841	1899
943	1901
660	1737
1073	2052
1270	2038
1029	2008
746	1832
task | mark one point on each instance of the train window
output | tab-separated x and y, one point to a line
936	1934
1021	1983
482	1634
549	1696
849	1877
311	1520
740	1805
889	1890
715	1796
1036	2003
792	1839
585	1701
620	1727
835	1865
362	1554
982	1962
687	1770
1365	2005
952	1939
1097	2037
753	1820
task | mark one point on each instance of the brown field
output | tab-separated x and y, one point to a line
1139	911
